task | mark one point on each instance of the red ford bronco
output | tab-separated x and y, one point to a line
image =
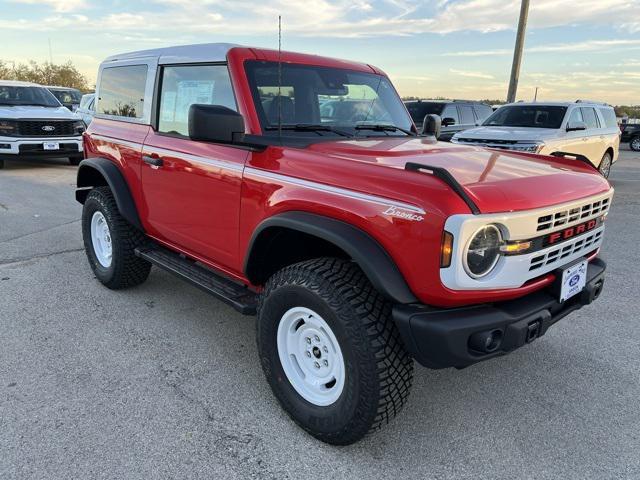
296	188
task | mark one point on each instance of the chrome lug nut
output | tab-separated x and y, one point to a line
326	364
316	338
308	340
325	349
317	365
308	354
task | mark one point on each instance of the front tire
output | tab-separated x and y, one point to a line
605	165
634	143
110	242
331	351
1	164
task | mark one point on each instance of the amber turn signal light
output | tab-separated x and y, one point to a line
513	248
446	250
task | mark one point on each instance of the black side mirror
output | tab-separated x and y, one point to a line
431	125
215	123
448	121
574	126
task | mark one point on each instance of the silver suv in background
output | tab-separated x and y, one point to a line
87	108
456	115
69	97
585	130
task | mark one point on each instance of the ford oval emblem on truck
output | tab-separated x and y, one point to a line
48	128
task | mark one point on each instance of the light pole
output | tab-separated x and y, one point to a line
517	53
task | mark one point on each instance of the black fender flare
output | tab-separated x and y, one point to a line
370	256
89	173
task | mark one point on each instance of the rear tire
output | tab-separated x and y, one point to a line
337	316
605	165
110	242
634	143
1	164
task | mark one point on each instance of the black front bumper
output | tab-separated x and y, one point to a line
33	150
440	338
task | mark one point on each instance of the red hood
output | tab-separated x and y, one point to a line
497	181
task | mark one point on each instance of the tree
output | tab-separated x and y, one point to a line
47	73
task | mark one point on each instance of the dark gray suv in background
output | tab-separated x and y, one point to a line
456	115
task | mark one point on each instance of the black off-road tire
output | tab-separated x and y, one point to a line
378	370
1	164
75	160
126	269
634	143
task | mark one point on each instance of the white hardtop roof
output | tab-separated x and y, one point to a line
201	52
17	83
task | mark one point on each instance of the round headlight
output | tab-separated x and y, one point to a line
483	251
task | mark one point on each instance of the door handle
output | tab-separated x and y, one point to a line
153	160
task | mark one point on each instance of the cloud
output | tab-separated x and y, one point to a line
57	5
355	18
465	73
586	46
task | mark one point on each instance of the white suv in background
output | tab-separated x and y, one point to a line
33	123
585	130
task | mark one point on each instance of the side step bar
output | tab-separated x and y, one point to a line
238	296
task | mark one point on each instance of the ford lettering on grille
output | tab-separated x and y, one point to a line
570	232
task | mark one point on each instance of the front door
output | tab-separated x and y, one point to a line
192	189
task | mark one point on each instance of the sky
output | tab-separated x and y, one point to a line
587	49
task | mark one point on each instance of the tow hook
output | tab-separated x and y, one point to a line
533	331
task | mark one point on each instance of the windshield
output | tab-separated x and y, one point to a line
336	101
67	96
418	110
37	96
527	116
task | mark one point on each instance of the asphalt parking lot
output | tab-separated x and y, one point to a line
163	381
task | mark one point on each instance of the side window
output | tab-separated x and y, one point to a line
182	86
609	116
450	111
590	118
576	116
482	112
122	91
466	115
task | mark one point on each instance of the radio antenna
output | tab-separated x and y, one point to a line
279	77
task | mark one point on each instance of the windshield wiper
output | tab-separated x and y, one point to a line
307	127
383	127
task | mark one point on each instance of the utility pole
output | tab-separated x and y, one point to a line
517	53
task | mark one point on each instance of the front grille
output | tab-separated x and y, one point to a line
582	244
573	215
34	128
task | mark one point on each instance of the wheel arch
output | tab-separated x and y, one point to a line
610	151
296	236
96	172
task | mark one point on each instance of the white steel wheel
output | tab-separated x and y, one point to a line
101	239
310	356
